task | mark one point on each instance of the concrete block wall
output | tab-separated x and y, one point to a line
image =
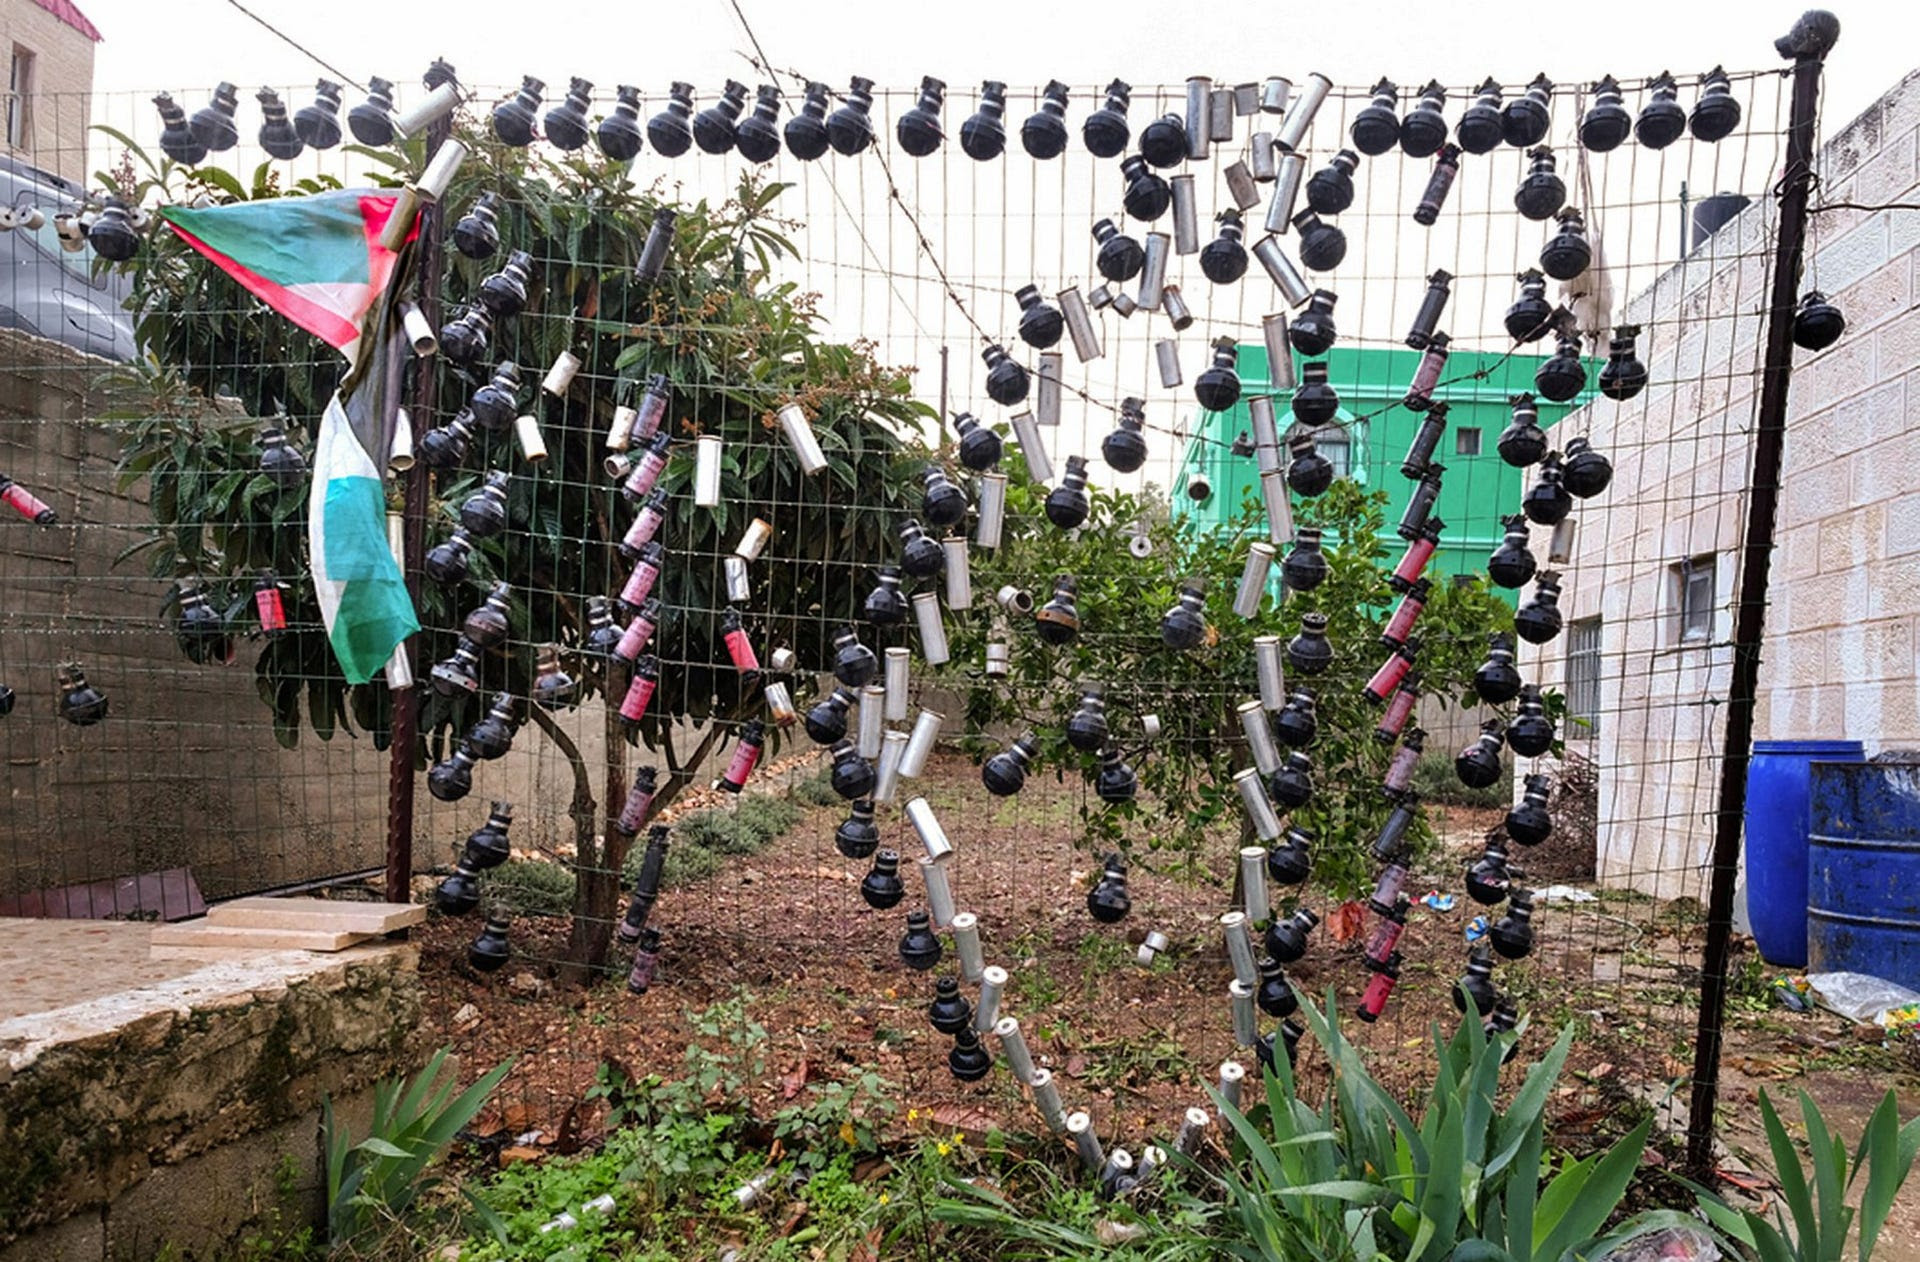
185	770
1839	656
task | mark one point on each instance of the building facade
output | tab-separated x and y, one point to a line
49	49
1646	655
1369	440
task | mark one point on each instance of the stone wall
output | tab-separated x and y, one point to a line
184	1115
1845	592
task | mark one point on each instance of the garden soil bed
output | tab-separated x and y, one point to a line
786	929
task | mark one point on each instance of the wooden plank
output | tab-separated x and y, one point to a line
316	913
199	933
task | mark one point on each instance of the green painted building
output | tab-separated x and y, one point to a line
1371	440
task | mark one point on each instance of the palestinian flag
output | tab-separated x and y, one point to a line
316	260
363	595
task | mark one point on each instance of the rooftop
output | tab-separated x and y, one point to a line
69	12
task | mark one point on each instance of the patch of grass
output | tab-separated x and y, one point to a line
1059	810
1136	1062
531	887
1867	1057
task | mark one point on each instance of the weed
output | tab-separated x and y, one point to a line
533	887
1749	987
1103	953
1036	987
1136	1062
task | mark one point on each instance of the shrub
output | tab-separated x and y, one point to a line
815	790
703	841
1435	781
687	864
533	887
384	1181
766	816
716	830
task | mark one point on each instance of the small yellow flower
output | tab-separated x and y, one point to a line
884	1198
959	1140
942	1149
913	1115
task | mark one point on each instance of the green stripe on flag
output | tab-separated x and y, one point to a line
288	240
375	612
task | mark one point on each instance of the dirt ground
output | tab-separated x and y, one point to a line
788	928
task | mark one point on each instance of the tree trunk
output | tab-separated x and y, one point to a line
599	857
587	940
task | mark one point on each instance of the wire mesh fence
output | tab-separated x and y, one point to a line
866	289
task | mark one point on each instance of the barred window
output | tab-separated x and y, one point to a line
1583	673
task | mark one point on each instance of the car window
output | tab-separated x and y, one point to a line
46	242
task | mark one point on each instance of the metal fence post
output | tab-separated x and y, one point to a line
1807	45
406	703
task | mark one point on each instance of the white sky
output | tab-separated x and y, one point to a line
856	247
151	44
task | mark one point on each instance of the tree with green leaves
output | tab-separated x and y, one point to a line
734	342
1186	773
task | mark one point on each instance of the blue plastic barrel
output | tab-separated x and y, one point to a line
1777	826
1863	871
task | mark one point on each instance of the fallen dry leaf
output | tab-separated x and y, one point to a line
868	1249
1347	921
517	1153
795	1080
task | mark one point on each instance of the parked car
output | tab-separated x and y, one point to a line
47	290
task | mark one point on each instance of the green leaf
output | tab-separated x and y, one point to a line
1354	1191
381	1148
1731	1222
224	181
1793	1180
489	1217
1601	1184
1523	1188
1830	1179
1529	1102
1440	1200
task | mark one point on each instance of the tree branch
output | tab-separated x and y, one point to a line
582	808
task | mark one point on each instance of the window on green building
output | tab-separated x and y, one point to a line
1333	442
1466	442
